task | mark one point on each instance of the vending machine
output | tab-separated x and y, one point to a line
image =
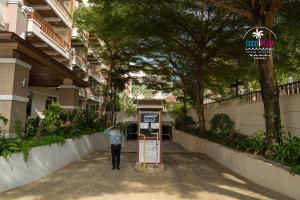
150	132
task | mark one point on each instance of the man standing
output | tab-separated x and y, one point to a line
116	138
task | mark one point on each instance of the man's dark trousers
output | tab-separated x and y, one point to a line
116	153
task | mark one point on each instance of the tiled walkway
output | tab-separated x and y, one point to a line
186	176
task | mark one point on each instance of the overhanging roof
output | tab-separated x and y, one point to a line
150	103
45	71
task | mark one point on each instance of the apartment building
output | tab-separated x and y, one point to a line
44	58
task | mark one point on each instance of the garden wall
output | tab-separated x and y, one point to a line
247	112
44	160
261	172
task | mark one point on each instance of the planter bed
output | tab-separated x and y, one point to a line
44	160
258	170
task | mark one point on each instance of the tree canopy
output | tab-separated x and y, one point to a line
196	46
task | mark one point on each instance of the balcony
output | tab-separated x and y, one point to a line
92	57
86	93
92	96
79	64
41	34
79	38
53	11
94	77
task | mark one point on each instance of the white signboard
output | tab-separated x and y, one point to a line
144	125
154	125
152	151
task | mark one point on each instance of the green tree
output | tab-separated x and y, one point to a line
261	13
199	32
141	90
104	21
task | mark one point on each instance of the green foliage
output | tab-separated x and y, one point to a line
257	142
141	90
53	119
123	126
126	104
182	121
19	129
47	140
9	146
221	123
288	153
82	119
83	122
31	127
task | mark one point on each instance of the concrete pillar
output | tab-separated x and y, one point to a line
16	17
68	95
14	78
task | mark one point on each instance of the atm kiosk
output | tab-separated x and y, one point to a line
149	114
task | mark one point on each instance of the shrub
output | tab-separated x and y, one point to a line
9	146
288	153
256	143
221	123
53	120
126	104
19	129
85	119
182	121
31	127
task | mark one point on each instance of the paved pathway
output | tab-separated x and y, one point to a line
186	176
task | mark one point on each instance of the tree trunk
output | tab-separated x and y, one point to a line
270	97
269	91
184	107
103	108
200	101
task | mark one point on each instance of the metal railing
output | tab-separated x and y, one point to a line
46	28
290	88
285	89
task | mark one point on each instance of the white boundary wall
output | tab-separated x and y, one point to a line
44	160
248	115
261	172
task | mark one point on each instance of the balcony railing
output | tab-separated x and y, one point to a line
95	75
89	94
46	28
62	7
79	61
80	34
